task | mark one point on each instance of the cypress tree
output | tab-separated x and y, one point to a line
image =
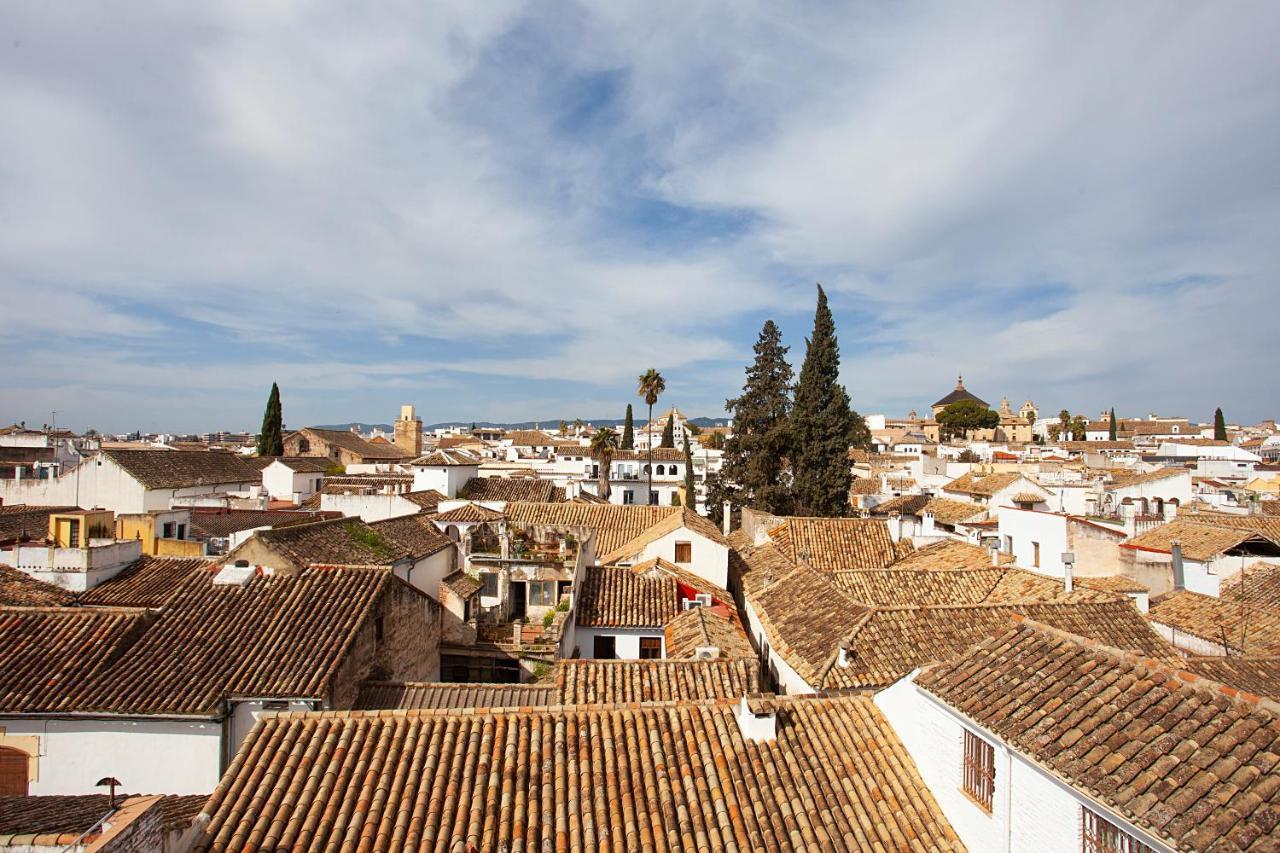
755	455
271	438
628	431
822	424
669	432
1111	426
1219	426
690	488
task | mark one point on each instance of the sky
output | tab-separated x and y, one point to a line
507	211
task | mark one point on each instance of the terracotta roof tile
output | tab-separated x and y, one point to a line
1161	747
701	627
945	510
176	469
838	544
677	776
469	514
1199	541
979	484
616	527
512	489
19	589
618	597
352	443
591	682
32	522
147	582
224	522
462	584
414	534
1242	628
1257	675
383	695
340	541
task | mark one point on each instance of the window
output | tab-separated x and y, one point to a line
604	648
653	498
73	533
1099	835
684	552
660	470
13	772
182	531
1035	554
628	497
542	593
489	584
650	648
979	769
304	446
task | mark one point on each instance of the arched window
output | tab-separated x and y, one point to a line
304	446
13	771
452	532
660	470
673	470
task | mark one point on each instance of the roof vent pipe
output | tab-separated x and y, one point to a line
1068	569
1179	571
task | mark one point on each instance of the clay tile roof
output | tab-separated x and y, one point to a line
224	522
618	597
1243	629
1199	541
865	486
537	438
986	486
1257	675
700	627
679	776
837	544
19	520
947	554
462	584
299	464
990	585
1112	583
147	582
1027	498
1185	759
618	529
512	489
349	441
177	469
51	820
447	458
469	514
1124	480
340	541
589	682
387	695
416	535
19	589
1257	585
428	499
945	510
276	636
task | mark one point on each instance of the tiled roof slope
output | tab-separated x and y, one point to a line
380	695
1258	584
147	582
890	642
48	656
349	441
1242	629
19	589
19	520
945	510
947	554
706	626
427	499
1257	675
838	544
617	597
985	485
673	777
615	525
176	469
414	534
56	820
512	489
224	522
1126	479
590	682
1199	541
469	514
992	585
341	541
1184	759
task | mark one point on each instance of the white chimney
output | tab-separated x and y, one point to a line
995	555
926	523
846	654
895	526
1068	569
758	719
728	517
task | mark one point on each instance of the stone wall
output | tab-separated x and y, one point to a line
399	642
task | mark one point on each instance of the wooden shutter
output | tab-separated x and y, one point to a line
13	771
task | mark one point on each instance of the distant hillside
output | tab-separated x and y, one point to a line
548	424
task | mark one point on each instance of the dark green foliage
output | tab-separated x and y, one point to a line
716	441
628	431
271	438
1078	428
755	456
690	487
719	491
963	416
669	432
1111	426
822	424
1219	426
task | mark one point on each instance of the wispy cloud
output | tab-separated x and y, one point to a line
458	204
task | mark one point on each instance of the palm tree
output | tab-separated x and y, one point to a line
603	444
650	387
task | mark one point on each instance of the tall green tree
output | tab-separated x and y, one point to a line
690	487
823	425
1219	426
1112	431
649	387
1078	426
962	416
669	432
604	443
754	470
628	431
271	438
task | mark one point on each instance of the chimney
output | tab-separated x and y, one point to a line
758	719
845	656
1068	569
895	526
1179	572
995	555
926	523
728	517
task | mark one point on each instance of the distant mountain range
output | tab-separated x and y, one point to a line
551	424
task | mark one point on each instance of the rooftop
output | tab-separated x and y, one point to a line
838	544
177	469
511	489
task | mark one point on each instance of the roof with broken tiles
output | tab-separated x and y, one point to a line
1192	762
676	776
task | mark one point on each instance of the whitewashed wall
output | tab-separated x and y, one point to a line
626	641
710	560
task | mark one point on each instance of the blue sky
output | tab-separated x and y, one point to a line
502	211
